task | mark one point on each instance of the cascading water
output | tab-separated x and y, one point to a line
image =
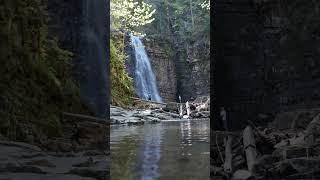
92	62
145	80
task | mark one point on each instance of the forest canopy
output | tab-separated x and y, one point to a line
128	14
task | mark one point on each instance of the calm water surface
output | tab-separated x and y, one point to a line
170	150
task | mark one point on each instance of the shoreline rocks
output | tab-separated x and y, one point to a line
280	153
120	115
23	161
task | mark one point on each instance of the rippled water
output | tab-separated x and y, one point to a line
170	150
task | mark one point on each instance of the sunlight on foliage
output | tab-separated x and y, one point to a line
205	4
127	14
121	83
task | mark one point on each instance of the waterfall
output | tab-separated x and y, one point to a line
93	62
145	81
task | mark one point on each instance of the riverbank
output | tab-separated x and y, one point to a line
151	112
19	161
120	115
286	148
79	152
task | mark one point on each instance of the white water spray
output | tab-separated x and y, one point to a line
145	80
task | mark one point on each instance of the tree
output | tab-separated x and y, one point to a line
205	5
129	14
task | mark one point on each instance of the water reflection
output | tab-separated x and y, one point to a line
168	151
151	153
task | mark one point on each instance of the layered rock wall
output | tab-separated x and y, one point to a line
164	69
182	70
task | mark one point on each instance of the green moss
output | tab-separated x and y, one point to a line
122	85
35	84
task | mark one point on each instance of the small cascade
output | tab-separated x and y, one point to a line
145	81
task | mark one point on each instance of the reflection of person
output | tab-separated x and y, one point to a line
223	115
188	108
149	97
180	108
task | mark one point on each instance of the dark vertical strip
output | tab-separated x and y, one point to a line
212	83
107	35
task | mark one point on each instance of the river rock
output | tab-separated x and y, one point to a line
242	175
171	107
135	122
33	176
152	119
299	165
139	116
203	114
263	164
93	172
294	119
16	161
172	115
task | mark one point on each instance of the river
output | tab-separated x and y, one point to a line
169	150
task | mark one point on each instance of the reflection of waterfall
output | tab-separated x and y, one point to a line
145	80
151	153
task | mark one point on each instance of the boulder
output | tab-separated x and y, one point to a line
171	107
263	164
242	175
24	176
135	122
312	131
294	119
152	119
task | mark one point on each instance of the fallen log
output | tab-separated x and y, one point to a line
249	147
82	117
228	155
148	101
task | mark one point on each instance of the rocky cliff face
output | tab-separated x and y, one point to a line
265	57
198	60
182	70
164	69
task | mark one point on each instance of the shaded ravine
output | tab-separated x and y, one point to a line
168	150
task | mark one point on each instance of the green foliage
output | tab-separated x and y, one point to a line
185	24
129	14
205	4
35	84
122	85
188	20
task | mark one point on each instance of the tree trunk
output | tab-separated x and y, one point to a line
192	19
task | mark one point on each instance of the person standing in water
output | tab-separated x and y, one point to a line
180	109
188	109
223	115
149	97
